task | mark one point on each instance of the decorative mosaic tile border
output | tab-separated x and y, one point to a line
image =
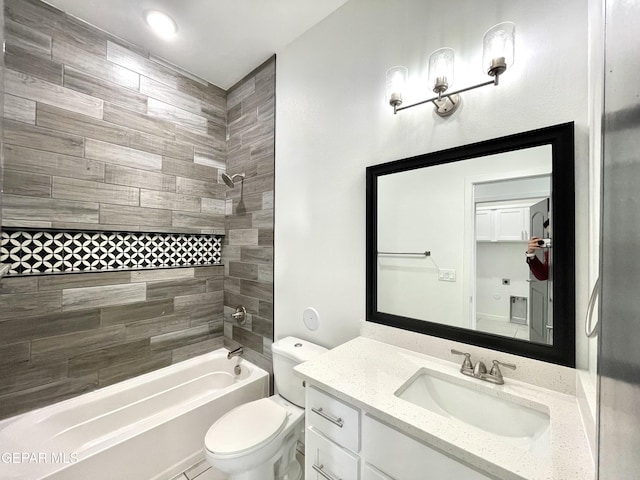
31	251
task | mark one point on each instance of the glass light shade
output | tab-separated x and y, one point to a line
161	23
441	69
396	83
498	48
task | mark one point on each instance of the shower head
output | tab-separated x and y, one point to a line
230	181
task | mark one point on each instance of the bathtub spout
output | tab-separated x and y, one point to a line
234	353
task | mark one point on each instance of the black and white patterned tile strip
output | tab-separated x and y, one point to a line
31	251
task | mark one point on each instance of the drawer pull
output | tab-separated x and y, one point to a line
335	421
319	469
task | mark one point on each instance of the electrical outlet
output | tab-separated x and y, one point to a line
446	275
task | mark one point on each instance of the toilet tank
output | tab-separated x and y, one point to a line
287	353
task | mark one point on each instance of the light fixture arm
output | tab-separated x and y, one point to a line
442	96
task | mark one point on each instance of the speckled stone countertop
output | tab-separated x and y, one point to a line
366	373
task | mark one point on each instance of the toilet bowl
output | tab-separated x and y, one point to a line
257	440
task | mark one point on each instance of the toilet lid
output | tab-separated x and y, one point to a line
245	427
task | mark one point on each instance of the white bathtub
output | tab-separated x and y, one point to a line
148	427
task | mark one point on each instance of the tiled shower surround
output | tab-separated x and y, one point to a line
100	136
248	249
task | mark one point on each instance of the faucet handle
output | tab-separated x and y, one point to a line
240	315
495	372
497	368
466	363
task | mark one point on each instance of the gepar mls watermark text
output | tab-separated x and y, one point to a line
38	457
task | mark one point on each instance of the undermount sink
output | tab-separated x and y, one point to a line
480	406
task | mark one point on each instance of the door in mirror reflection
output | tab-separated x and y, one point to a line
539	259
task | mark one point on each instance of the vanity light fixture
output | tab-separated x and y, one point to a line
396	82
498	53
161	23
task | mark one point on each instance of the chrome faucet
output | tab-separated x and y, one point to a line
479	371
235	353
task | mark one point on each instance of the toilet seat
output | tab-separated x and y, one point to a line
246	427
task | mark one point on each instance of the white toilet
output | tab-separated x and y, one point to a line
257	440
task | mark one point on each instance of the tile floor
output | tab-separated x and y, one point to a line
506	329
200	471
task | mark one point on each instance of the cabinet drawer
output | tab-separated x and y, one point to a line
327	461
335	419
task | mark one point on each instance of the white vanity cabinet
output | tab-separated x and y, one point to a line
332	437
343	443
384	436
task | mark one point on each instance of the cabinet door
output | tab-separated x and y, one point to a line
484	225
510	224
404	458
326	460
372	473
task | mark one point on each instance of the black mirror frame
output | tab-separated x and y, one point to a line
561	138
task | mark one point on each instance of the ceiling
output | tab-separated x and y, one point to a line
220	41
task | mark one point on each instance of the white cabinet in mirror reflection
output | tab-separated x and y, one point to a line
502	224
485	225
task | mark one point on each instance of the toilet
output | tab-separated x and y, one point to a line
257	440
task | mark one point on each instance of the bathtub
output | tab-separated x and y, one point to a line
150	427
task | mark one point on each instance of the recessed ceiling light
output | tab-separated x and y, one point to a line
161	23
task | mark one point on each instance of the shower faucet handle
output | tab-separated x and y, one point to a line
240	315
467	365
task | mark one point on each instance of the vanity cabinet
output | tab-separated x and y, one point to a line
332	437
502	224
342	442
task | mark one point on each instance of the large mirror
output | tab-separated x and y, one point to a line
476	244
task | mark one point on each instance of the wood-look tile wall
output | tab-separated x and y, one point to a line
2	106
99	136
63	335
248	248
